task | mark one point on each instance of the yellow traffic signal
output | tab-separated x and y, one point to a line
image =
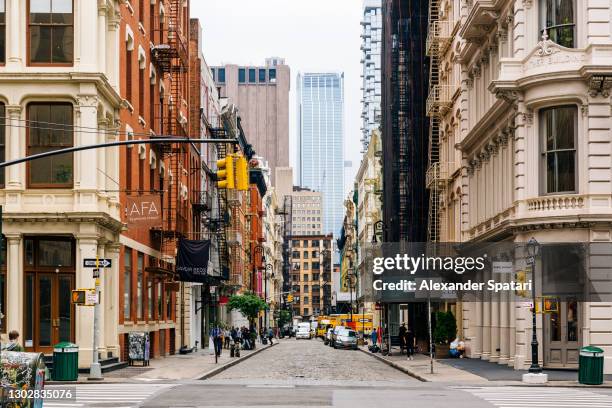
290	298
225	175
242	173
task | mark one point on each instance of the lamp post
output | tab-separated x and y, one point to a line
268	271
533	250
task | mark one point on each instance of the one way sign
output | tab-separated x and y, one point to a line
91	263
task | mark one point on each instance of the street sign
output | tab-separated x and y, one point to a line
503	267
91	298
96	273
102	263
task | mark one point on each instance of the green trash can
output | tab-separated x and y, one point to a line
591	363
65	362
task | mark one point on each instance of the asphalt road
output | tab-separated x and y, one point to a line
306	373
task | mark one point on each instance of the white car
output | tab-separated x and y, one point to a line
303	331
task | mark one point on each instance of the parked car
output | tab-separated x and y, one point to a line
328	335
334	334
303	331
346	339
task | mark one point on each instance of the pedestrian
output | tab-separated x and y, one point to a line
13	344
402	337
217	334
226	338
374	338
410	341
270	334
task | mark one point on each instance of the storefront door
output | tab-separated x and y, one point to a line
48	283
51	320
561	335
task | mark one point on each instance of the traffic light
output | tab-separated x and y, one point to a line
225	175
78	297
242	173
290	297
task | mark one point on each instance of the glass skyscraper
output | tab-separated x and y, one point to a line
321	142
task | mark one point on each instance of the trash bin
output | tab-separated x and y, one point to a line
65	362
590	364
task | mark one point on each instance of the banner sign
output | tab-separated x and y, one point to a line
192	260
143	211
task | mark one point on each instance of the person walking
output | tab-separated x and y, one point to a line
217	334
374	338
410	341
402	337
270	334
227	336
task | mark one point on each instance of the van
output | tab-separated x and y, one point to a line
303	331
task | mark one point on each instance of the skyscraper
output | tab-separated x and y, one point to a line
262	96
371	42
320	159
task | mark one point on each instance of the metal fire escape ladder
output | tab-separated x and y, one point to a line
433	172
222	222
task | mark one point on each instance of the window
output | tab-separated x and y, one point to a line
305	301
559	128
158	299
150	284
559	21
305	243
51	32
241	75
305	254
50	129
128	168
2	142
251	75
295	254
305	278
305	288
262	75
152	106
272	75
306	310
141	92
212	73
127	284
221	75
2	32
128	75
141	8
139	287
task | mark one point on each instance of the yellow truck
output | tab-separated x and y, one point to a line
324	323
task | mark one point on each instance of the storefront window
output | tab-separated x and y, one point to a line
54	253
127	284
140	287
149	298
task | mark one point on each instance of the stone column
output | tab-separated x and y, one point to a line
86	162
86	247
15	33
14	281
15	148
495	330
102	37
110	297
504	334
486	327
112	49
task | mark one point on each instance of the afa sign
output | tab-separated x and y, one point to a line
143	211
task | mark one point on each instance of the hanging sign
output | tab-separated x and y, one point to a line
192	260
143	211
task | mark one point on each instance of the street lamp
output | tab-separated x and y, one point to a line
533	250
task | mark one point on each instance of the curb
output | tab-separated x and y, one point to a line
396	366
232	363
204	376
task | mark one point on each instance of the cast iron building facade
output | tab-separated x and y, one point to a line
404	123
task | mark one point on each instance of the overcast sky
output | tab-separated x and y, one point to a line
312	35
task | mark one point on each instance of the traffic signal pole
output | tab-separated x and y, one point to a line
95	370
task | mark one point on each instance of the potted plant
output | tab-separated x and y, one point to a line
445	331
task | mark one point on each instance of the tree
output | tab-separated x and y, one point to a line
445	329
284	317
248	304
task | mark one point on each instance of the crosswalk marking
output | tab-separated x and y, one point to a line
120	395
540	397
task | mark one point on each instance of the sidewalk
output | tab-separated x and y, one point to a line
474	371
194	366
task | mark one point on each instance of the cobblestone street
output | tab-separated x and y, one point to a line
310	360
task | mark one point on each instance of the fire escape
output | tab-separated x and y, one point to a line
437	103
169	53
221	225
